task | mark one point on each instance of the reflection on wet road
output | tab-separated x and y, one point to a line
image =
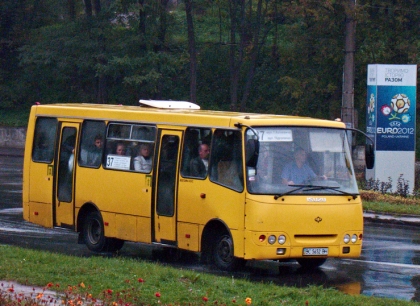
389	266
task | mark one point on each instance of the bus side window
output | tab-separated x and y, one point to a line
226	159
194	137
44	140
92	143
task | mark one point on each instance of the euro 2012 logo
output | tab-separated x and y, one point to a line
371	109
398	108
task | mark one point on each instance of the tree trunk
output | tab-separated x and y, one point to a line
162	25
88	8
71	5
192	51
142	18
97	7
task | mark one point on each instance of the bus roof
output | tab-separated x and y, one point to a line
185	117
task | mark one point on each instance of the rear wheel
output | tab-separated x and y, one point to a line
311	263
93	232
222	254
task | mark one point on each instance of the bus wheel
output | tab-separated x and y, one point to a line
93	229
311	263
223	254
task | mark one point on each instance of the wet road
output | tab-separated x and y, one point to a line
389	266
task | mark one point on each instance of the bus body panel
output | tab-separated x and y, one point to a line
304	224
204	201
121	192
209	201
188	236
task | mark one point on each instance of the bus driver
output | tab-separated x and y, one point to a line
298	171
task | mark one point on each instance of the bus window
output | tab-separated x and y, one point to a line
194	138
65	168
130	147
92	143
44	140
226	159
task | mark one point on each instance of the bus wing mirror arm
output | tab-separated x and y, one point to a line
369	149
252	147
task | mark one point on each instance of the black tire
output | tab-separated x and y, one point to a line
222	254
93	232
311	263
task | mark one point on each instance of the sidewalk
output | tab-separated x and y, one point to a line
28	295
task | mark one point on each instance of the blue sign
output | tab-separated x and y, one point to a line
391	106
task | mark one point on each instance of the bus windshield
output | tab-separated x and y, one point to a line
301	160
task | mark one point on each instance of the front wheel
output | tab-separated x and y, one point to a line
223	257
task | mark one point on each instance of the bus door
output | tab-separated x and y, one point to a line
166	188
64	188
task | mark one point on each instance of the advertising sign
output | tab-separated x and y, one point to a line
391	121
391	106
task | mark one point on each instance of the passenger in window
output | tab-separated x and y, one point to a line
143	162
120	149
298	171
92	155
199	165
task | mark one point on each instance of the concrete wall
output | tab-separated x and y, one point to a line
11	137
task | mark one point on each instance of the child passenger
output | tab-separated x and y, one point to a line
143	162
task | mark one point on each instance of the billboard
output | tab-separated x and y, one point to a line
391	106
391	120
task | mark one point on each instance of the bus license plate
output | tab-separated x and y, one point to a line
315	251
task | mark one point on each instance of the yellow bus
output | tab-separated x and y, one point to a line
118	173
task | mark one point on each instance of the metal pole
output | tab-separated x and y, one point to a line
347	110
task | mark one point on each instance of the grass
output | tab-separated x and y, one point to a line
122	281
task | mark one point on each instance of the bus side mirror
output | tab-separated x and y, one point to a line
369	156
251	152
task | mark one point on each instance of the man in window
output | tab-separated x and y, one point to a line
199	165
92	156
298	171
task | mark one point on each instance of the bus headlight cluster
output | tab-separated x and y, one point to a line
348	238
272	239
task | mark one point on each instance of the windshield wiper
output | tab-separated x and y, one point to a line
299	187
314	187
335	188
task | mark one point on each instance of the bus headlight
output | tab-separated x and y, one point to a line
346	238
271	239
282	239
354	238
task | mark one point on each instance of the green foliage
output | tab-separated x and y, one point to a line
50	57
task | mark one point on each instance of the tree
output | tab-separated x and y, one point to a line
192	51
